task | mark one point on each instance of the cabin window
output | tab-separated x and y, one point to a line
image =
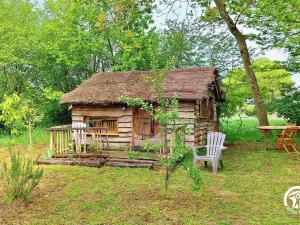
110	123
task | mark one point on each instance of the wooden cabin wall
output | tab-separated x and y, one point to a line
187	116
120	141
202	124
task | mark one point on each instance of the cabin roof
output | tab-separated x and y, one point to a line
108	87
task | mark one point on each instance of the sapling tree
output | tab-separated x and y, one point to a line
18	114
12	114
31	117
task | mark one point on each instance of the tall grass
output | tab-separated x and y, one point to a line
247	131
40	135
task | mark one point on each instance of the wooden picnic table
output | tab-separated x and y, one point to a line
266	132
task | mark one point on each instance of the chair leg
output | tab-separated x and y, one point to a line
215	166
205	164
222	165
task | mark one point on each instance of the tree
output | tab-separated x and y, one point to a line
276	25
272	79
232	26
18	114
12	113
31	117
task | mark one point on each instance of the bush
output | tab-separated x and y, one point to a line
131	154
151	147
288	106
20	177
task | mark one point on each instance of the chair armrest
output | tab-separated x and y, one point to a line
223	148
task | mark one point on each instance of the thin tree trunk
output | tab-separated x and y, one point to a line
261	111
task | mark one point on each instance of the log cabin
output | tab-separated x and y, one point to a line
96	103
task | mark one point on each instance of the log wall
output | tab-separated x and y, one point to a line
120	141
203	125
188	114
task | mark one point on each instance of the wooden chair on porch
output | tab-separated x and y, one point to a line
287	140
214	147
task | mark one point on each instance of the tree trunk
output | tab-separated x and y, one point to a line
261	111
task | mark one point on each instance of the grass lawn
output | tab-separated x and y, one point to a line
247	130
39	135
249	190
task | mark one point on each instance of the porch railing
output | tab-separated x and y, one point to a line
67	140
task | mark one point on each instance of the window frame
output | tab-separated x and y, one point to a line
103	118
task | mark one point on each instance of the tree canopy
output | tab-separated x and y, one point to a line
49	47
272	79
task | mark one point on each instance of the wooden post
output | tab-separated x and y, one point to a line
51	140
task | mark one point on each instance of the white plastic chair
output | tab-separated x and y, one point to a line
214	147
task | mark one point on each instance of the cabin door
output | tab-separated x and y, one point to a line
142	126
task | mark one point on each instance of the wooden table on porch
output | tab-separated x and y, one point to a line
266	130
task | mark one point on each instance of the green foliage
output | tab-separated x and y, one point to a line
18	114
20	177
151	147
48	154
272	80
288	106
194	172
271	24
13	113
131	154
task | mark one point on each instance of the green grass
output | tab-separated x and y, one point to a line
40	135
248	132
249	190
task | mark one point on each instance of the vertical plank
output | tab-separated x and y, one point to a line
51	140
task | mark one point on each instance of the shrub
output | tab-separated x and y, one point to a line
48	154
132	154
288	106
20	177
151	147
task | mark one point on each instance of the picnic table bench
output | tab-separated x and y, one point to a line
266	130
